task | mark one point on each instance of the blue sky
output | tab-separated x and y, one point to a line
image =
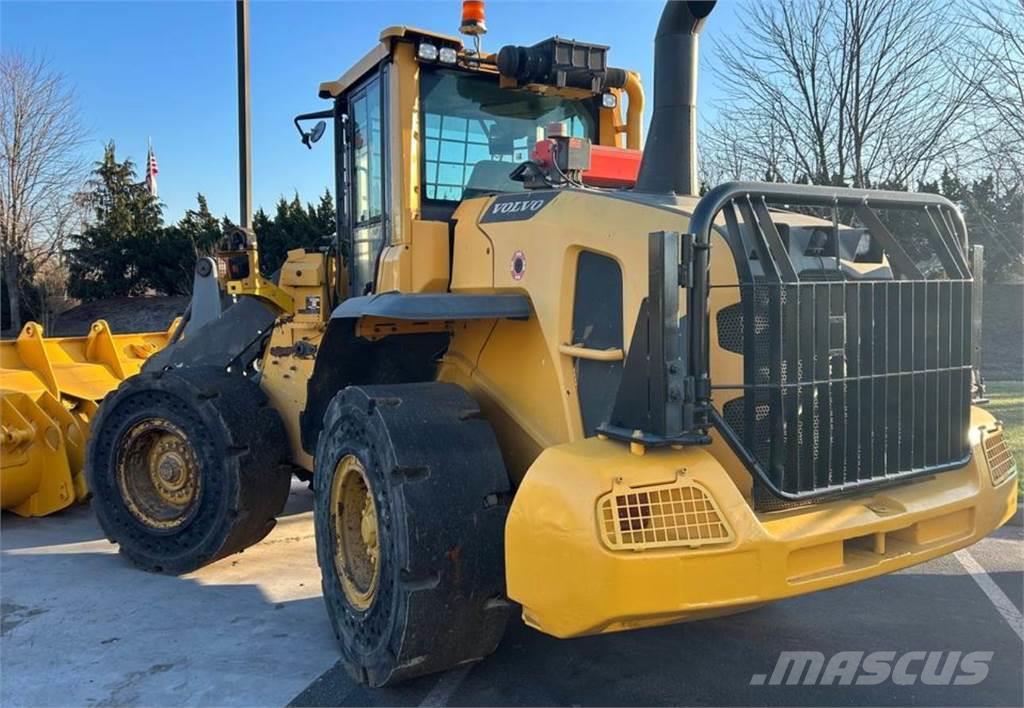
166	70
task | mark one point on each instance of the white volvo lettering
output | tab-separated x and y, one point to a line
516	207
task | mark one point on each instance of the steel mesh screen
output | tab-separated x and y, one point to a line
849	382
1001	464
677	514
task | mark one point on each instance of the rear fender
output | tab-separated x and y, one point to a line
346	359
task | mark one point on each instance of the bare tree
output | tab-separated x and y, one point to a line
40	168
993	34
842	91
745	147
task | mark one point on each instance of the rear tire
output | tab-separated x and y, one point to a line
411	497
186	466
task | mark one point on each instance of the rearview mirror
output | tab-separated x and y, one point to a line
314	135
318	131
308	138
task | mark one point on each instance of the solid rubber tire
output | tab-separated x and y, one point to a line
241	446
442	494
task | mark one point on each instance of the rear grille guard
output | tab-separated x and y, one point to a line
847	384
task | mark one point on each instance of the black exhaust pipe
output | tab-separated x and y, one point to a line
669	163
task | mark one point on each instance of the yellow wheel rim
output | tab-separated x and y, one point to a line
158	474
356	533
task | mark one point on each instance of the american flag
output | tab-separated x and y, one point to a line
151	171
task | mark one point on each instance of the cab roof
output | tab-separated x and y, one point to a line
333	89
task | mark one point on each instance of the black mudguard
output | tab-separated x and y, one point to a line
232	340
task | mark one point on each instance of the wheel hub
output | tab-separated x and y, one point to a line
368	529
356	533
158	474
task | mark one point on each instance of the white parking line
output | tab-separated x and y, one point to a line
445	687
1002	603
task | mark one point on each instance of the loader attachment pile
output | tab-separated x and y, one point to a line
49	392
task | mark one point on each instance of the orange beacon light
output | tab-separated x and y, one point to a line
473	20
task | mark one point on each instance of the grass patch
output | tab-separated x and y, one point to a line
1007	404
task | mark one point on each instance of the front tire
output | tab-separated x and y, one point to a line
411	497
186	466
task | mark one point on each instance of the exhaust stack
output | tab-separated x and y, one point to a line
670	155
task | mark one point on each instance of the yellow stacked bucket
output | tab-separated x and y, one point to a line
49	392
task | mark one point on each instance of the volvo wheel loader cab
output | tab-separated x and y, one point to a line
537	370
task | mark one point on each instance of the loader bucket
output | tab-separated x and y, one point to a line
49	392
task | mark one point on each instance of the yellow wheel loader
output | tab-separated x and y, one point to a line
538	372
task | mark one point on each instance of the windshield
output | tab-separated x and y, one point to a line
476	133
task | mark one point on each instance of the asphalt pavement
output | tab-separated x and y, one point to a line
80	626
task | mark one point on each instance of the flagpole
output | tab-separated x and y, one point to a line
151	169
244	130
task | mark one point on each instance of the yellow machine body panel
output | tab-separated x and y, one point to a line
600	539
306	279
287	366
49	391
524	373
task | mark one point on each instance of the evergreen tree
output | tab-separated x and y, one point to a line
104	259
324	219
293	226
126	249
168	262
994	219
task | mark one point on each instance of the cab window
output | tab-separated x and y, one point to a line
367	183
475	133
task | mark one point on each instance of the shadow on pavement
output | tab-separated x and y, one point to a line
251	629
711	662
129	637
76	524
300	499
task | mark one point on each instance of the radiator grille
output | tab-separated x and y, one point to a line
1001	464
851	383
682	513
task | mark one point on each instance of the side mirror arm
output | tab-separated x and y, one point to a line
305	136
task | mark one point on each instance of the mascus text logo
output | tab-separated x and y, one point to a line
847	668
517	207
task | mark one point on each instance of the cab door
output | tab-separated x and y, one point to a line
367	177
